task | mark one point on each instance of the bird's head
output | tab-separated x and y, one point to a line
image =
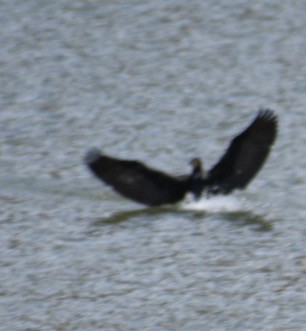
197	168
196	163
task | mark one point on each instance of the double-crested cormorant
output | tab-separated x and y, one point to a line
242	160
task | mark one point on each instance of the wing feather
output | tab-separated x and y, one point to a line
135	180
245	155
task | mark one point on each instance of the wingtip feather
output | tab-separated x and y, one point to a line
267	114
92	155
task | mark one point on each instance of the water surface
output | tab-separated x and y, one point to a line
160	82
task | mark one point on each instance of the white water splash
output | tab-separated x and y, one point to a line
219	204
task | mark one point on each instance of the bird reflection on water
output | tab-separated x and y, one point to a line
239	217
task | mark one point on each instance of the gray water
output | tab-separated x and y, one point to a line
161	82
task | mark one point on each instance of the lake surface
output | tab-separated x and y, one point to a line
161	82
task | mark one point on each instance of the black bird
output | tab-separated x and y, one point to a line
242	160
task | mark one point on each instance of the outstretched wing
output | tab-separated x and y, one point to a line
245	155
136	181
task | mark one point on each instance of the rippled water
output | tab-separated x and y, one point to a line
158	81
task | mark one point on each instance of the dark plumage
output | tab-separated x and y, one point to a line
242	160
245	155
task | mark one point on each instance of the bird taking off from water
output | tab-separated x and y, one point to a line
239	164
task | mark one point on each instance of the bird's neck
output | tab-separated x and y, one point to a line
197	173
196	181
